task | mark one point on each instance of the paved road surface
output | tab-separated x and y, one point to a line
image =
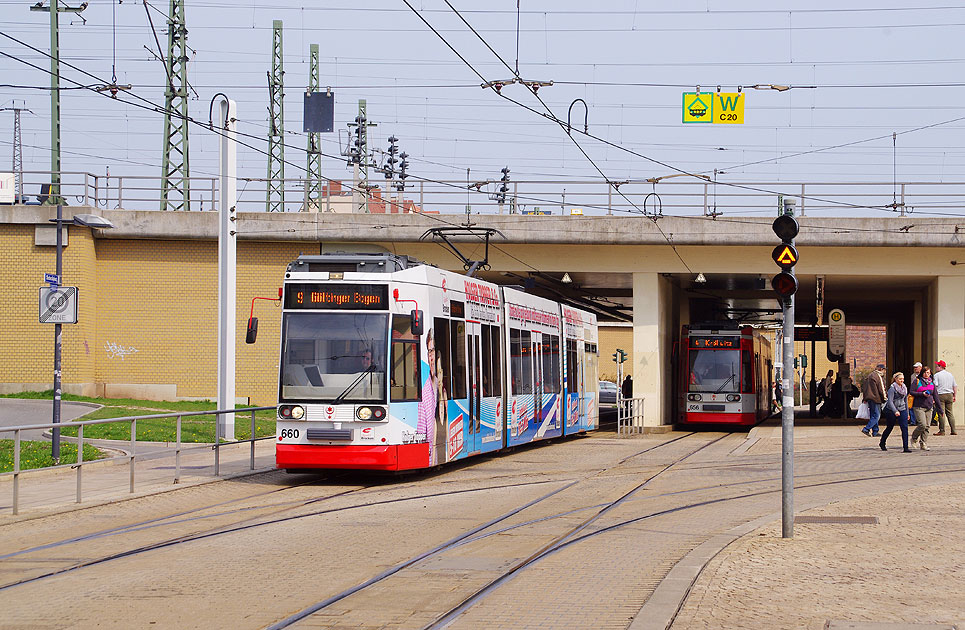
17	411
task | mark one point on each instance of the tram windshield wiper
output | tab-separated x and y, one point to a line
353	384
724	384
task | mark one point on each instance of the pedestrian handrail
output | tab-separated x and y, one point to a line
178	448
629	416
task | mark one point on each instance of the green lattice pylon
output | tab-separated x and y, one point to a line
313	183
275	198
175	170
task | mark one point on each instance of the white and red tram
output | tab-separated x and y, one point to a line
724	375
390	364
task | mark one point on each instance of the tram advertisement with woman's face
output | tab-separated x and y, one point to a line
462	373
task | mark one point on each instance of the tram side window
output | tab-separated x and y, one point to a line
440	336
492	384
571	366
458	349
521	360
551	364
405	361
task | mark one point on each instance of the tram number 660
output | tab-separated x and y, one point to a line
288	434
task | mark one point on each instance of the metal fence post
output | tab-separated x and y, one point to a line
252	436
177	453
16	471
217	444
80	459
120	192
133	447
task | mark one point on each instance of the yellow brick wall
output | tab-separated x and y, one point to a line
158	319
261	271
611	338
26	345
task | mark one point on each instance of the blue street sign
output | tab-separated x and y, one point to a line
51	278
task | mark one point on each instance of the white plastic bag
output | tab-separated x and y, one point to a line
863	412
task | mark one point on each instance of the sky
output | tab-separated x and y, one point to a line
859	72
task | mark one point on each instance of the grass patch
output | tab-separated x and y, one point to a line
193	428
37	454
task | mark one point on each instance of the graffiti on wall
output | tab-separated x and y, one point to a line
115	351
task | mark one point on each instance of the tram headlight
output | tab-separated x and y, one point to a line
291	412
694	397
370	413
733	397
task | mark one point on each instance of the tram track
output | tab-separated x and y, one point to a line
185	516
571	538
576	534
459	540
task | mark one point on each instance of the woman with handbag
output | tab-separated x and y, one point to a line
896	408
925	401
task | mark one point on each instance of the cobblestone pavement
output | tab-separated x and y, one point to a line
334	532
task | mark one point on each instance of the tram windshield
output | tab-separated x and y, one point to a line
334	357
714	371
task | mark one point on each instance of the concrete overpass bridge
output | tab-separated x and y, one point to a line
905	273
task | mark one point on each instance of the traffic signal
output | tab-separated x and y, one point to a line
804	360
785	255
503	188
615	358
390	161
623	355
795	363
402	174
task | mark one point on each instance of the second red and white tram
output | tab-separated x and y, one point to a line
724	375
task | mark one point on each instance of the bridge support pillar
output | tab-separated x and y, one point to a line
949	327
652	331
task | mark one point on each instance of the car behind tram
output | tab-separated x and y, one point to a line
390	364
724	375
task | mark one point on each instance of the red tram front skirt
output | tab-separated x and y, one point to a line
382	457
721	418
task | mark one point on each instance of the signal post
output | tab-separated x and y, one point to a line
785	285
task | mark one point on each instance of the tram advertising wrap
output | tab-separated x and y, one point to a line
399	366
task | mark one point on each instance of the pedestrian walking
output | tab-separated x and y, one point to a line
925	402
873	392
947	391
626	392
896	409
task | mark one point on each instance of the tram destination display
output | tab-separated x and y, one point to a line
366	297
715	342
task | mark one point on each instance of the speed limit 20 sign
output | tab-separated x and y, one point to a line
58	305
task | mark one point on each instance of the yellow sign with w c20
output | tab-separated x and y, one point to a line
721	108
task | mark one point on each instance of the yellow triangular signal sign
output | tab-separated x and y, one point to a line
787	256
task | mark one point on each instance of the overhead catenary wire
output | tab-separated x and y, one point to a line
155	108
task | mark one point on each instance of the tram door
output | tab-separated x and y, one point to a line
537	357
580	385
474	342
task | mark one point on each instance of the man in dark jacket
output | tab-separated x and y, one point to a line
873	392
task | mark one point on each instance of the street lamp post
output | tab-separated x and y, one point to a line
86	220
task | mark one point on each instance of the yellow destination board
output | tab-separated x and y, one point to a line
721	108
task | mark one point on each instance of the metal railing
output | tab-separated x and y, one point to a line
134	455
678	197
629	416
